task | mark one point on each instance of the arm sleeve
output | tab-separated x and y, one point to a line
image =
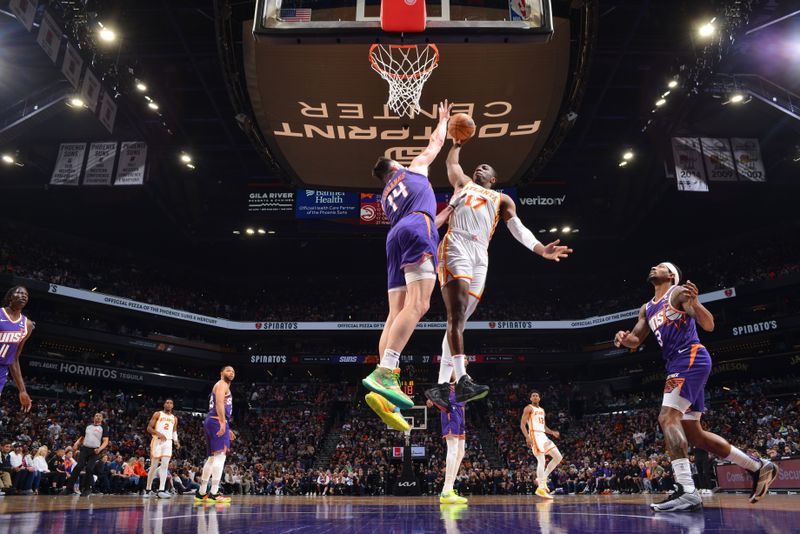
522	234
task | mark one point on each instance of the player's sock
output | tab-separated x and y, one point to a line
391	359
206	476
446	364
540	479
555	459
151	474
458	365
450	464
683	474
742	459
218	464
162	476
461	447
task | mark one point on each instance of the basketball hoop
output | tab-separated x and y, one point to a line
406	68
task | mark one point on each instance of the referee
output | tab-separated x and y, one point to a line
91	445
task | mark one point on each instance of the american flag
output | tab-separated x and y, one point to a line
296	15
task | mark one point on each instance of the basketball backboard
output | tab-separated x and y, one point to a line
416	416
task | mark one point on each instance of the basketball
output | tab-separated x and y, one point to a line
461	127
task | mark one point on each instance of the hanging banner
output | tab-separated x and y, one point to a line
131	166
372	211
69	164
718	159
72	66
316	204
25	11
100	163
49	37
747	154
689	164
108	112
90	90
518	10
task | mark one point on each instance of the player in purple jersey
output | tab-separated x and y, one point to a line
409	203
672	315
454	433
15	329
218	437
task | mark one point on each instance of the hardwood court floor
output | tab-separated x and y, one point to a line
507	514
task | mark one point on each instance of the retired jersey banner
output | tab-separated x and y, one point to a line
90	90
72	66
69	164
100	163
108	112
316	204
689	164
25	11
49	37
718	159
747	154
371	210
132	161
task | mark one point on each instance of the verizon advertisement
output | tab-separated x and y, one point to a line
733	477
330	125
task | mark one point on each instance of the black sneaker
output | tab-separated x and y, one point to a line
762	479
679	501
467	390
439	395
86	493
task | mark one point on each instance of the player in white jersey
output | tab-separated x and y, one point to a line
163	427
464	260
535	431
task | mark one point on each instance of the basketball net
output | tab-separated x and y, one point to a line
406	68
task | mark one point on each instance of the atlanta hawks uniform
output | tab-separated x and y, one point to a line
166	425
12	334
541	443
688	362
410	205
463	252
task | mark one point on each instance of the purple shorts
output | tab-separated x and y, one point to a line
216	443
686	380
410	242
453	423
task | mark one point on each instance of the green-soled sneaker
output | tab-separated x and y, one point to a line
386	383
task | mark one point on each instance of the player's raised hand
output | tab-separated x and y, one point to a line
691	292
620	337
554	251
444	111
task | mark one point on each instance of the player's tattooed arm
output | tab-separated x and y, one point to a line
686	297
632	339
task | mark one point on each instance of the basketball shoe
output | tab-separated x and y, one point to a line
386	383
543	493
201	499
218	499
762	479
467	390
679	501
439	395
388	412
451	497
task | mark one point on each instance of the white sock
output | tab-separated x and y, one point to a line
218	464
458	365
450	464
162	476
391	359
446	365
683	474
205	476
461	447
151	474
742	459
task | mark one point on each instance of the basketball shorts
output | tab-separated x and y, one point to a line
453	423
686	381
160	448
410	242
542	444
216	443
463	256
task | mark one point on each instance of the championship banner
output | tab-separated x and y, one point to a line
69	164
72	66
747	154
372	211
689	164
90	90
718	159
100	163
172	313
132	161
108	112
25	11
316	204
49	37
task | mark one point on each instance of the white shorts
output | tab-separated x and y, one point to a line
542	444
160	449
463	257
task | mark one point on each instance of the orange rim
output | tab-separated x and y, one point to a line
403	76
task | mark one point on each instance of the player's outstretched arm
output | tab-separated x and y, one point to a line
553	251
421	163
632	339
455	174
686	297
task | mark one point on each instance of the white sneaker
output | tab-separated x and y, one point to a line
164	495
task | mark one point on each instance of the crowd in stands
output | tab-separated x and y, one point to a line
318	438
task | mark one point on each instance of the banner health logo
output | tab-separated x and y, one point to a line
755	328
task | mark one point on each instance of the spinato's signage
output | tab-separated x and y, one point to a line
755	328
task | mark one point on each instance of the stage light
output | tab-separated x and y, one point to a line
141	87
665	94
262	231
190	166
566	230
186	158
737	98
236	232
707	29
553	230
660	102
8	159
107	34
76	102
152	105
575	230
628	155
623	163
543	230
271	232
250	231
672	84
